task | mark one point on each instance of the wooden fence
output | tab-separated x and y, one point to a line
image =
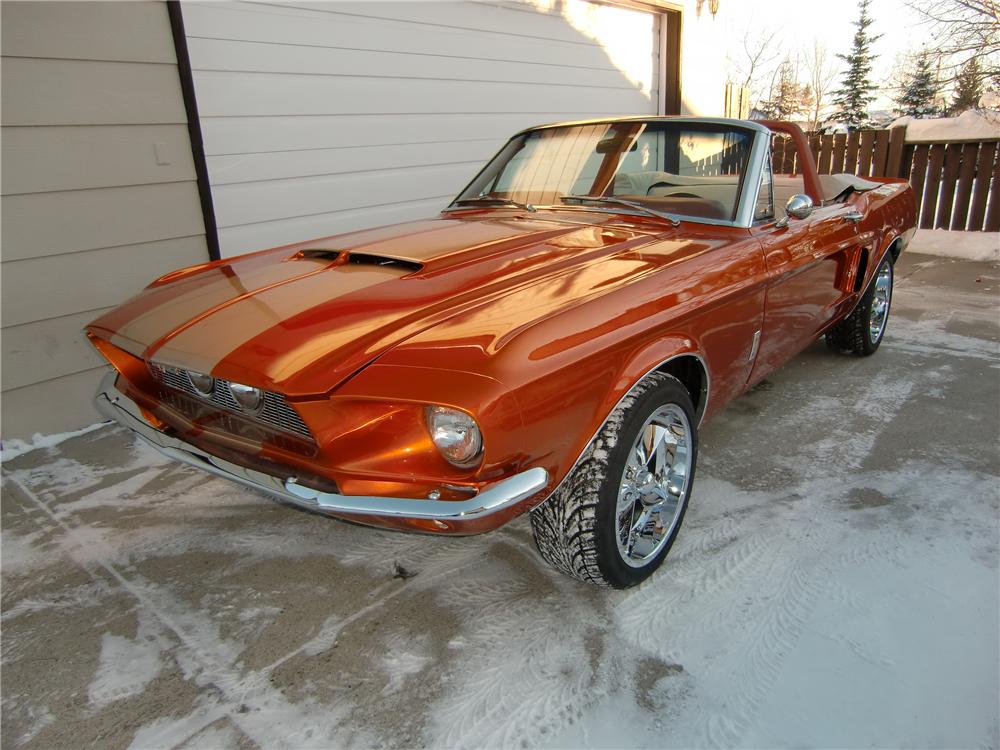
957	184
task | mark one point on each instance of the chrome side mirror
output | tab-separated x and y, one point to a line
799	206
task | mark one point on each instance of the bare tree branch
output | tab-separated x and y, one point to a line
961	30
821	68
758	53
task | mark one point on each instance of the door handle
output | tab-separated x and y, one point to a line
854	216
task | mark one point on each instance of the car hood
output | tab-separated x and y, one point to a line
301	319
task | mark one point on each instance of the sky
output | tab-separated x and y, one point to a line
832	23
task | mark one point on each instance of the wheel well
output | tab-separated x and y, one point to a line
690	370
895	248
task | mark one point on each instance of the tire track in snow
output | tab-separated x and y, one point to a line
786	576
714	583
525	683
775	637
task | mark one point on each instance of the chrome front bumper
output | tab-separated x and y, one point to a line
110	402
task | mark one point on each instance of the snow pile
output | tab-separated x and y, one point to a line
127	666
973	125
981	246
10	449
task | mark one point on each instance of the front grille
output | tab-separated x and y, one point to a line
276	411
209	416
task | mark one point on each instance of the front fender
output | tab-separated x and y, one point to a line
659	356
891	215
569	348
374	424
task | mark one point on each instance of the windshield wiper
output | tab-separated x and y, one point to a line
493	200
621	202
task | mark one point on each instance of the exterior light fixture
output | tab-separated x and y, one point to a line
713	7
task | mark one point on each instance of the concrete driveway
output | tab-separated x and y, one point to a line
836	584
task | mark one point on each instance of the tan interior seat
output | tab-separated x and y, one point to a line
684	205
832	185
721	189
718	190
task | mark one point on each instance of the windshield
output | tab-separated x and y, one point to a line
687	170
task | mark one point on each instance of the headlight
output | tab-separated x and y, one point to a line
203	384
248	397
455	434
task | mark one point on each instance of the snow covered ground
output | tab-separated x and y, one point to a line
835	585
981	246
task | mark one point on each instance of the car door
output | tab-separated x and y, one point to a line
809	264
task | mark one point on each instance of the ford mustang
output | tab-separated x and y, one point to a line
550	343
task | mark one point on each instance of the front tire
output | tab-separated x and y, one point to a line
614	518
861	332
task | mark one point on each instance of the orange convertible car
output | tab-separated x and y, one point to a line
550	343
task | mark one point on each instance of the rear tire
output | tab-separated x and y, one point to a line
614	518
861	332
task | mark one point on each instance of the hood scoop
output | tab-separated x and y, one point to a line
357	259
366	259
316	253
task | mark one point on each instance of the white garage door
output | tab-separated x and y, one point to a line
325	117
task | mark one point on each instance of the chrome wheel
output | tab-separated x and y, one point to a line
653	488
880	303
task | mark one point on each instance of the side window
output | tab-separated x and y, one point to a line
765	196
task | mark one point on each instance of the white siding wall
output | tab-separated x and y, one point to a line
324	117
704	68
89	215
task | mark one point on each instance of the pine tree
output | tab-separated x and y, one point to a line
968	88
920	90
855	93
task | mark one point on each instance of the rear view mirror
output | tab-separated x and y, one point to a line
613	145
